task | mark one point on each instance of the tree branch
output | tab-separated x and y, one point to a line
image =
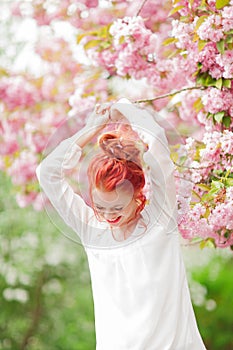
195	168
140	8
171	93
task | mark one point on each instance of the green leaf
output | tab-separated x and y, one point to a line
203	3
174	157
183	159
92	43
202	244
202	44
227	173
169	41
203	187
210	243
175	9
227	83
207	197
104	31
200	21
216	185
195	194
226	121
218	116
172	53
121	40
221	3
221	46
198	105
105	44
219	83
207	243
207	213
80	37
3	72
201	77
196	240
229	39
210	81
229	182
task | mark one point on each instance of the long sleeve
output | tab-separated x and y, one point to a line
50	173
163	196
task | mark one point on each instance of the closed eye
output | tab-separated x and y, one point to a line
99	208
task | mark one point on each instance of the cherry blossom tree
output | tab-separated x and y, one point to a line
174	57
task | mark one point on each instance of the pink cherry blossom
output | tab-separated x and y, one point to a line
211	29
119	46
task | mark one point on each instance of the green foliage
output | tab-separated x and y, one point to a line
100	38
221	3
214	314
44	283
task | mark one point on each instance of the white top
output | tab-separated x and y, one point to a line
140	291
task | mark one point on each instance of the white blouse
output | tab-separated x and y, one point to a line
140	291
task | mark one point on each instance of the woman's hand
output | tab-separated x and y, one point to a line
95	123
125	129
100	117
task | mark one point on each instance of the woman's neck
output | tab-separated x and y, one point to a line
124	232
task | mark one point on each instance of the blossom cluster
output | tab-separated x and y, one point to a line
206	207
31	110
129	49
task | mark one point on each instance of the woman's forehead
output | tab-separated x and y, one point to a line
115	197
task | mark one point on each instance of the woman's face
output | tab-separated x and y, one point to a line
117	207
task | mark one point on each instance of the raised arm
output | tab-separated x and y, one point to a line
163	198
51	175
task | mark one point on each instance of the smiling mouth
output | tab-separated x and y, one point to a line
115	221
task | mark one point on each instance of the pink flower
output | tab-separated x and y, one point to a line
216	100
207	57
211	29
226	62
183	32
227	15
227	142
23	168
24	200
17	92
9	145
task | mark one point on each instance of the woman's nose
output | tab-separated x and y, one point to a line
109	215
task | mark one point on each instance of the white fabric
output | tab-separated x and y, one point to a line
140	291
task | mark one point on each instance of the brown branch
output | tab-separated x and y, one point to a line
171	93
196	168
141	7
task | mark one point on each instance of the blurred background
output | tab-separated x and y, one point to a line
45	290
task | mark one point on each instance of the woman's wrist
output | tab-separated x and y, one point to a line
97	121
88	135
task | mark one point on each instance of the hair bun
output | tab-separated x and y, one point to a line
121	147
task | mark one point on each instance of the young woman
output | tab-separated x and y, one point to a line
140	291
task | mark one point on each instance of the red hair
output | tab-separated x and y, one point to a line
119	162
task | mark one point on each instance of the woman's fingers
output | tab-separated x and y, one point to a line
102	108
